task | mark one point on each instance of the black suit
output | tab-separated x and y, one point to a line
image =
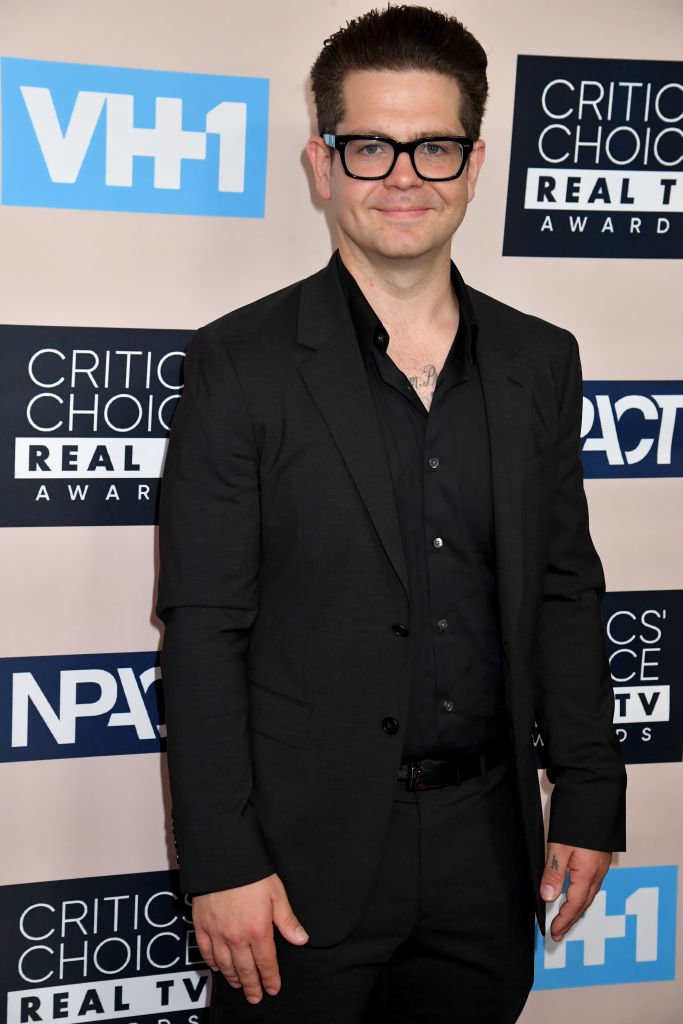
283	577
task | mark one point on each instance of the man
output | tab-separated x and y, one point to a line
376	574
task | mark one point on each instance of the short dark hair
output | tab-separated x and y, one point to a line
401	38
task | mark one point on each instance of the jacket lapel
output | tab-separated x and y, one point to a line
506	385
331	365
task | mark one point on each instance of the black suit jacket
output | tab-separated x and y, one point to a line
282	574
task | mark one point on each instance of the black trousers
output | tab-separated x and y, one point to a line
446	935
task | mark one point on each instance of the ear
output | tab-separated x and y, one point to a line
476	159
319	155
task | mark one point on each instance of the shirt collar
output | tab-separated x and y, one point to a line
370	330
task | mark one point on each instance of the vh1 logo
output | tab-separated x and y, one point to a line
628	934
100	138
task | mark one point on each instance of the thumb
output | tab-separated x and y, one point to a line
555	871
287	922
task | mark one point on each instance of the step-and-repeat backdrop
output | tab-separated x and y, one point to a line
152	179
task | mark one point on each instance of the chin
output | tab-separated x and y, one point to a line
406	247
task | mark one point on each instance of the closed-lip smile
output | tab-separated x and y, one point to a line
402	211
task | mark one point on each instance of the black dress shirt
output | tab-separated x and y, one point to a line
441	472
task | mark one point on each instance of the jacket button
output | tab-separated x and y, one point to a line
390	726
398	629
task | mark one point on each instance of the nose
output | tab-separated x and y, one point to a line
403	174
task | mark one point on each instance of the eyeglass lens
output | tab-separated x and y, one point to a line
434	158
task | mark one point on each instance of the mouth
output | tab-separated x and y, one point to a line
403	212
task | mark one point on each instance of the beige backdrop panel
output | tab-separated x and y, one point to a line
79	590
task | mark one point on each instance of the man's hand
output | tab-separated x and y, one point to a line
586	868
235	934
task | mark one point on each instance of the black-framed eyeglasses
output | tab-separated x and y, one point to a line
373	157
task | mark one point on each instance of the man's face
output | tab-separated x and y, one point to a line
401	216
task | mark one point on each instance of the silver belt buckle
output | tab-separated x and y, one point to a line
414	774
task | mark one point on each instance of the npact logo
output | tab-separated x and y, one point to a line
628	934
80	706
99	138
632	428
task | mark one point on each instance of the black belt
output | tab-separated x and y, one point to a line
431	774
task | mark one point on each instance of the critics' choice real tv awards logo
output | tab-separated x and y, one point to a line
99	138
643	631
98	949
628	934
84	705
596	164
84	420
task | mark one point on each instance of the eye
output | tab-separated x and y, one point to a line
371	149
433	148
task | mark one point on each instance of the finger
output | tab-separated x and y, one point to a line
564	920
287	922
206	949
224	964
265	958
555	871
247	973
577	901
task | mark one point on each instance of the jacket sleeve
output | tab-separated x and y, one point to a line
208	600
575	699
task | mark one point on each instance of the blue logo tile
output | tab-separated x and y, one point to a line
628	934
85	137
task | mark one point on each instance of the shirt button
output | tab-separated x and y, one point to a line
390	726
433	462
448	706
442	625
398	629
437	542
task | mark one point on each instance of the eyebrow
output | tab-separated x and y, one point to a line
436	133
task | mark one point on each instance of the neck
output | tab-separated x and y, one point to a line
404	293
